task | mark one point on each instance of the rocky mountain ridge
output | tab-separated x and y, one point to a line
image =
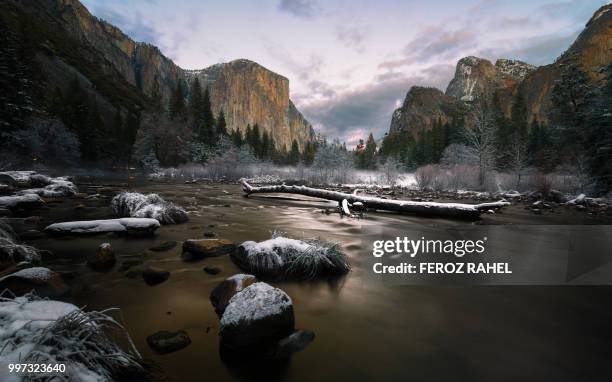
120	72
591	51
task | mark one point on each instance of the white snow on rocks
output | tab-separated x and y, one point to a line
16	201
122	225
282	257
33	330
34	274
255	302
39	184
148	206
58	187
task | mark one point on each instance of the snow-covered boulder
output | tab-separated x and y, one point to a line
222	294
257	316
43	281
39	184
580	199
148	206
17	178
20	201
282	257
53	332
57	188
123	225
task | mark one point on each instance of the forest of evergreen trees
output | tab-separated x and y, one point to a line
578	134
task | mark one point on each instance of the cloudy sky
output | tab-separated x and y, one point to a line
351	62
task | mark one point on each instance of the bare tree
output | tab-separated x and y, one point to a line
518	160
481	138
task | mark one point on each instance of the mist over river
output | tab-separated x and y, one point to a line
365	330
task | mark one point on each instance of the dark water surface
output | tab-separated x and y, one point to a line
365	331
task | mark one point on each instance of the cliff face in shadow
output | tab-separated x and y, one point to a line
65	42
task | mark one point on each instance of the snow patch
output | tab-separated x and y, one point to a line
101	226
257	301
148	206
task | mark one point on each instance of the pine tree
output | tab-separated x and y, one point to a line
265	146
309	153
221	125
248	136
518	116
256	140
176	108
156	96
207	129
294	155
370	153
236	137
196	103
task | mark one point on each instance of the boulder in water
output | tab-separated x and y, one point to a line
256	317
154	275
221	295
152	206
43	281
208	247
164	342
103	258
124	225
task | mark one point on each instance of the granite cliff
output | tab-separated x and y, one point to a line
121	73
591	52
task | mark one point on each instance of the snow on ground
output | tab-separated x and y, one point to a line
33	330
255	302
102	226
148	206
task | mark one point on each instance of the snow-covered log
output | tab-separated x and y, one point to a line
123	225
152	206
452	210
53	332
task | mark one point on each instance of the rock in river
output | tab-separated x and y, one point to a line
256	317
221	295
154	275
43	281
208	247
212	270
124	225
103	258
164	342
293	343
165	246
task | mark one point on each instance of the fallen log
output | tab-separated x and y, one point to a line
451	210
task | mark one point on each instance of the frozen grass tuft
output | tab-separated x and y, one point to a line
13	253
285	258
36	330
148	206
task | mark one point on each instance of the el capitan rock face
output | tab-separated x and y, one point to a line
248	94
118	70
